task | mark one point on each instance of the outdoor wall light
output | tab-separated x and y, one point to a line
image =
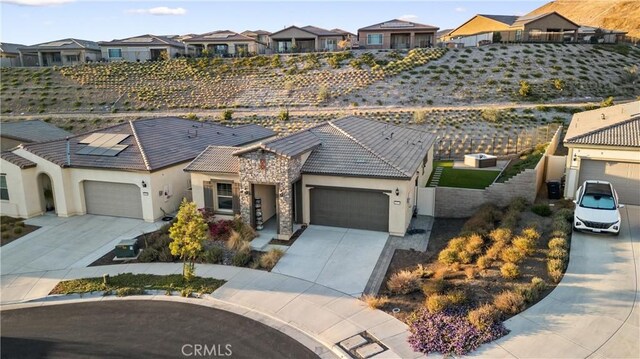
144	184
397	192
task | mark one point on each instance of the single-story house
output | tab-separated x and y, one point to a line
350	172
596	35
353	38
225	43
13	134
397	34
604	144
261	36
63	52
144	48
10	56
548	27
305	39
132	169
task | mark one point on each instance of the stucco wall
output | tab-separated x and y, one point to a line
477	25
176	181
24	201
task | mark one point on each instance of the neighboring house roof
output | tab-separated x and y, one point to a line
32	131
523	20
64	44
218	159
343	32
397	24
623	134
257	32
353	146
219	36
442	33
17	160
505	19
313	30
9	48
143	40
149	144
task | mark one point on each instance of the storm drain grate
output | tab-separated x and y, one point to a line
362	346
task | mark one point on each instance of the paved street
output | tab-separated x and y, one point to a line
140	329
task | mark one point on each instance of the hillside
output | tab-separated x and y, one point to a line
609	14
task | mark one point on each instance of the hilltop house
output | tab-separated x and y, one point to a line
132	169
143	48
10	56
305	39
260	36
397	34
604	144
13	134
350	172
225	43
63	52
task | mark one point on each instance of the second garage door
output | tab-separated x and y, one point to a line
624	176
113	199
350	208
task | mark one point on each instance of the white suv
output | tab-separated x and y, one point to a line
597	208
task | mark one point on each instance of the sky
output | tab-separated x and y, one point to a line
30	22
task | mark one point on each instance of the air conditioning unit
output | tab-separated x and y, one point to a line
127	248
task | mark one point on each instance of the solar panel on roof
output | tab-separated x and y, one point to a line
92	137
103	144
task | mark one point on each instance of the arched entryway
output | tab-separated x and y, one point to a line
45	188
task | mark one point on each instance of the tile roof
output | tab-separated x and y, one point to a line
153	143
32	131
624	134
64	44
288	146
587	122
505	19
17	160
397	24
523	20
319	31
9	48
143	40
219	36
215	159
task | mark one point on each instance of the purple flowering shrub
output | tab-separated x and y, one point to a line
449	332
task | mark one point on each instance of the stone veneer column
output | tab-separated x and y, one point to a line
284	211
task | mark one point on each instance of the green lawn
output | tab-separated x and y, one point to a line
462	178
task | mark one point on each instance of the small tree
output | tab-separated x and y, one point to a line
187	234
558	84
344	44
275	61
607	102
323	94
226	116
525	89
283	116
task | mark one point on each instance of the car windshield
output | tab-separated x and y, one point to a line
597	201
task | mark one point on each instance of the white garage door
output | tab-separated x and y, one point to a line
624	176
113	199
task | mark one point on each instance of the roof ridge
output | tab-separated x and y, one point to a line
636	117
367	147
142	153
76	41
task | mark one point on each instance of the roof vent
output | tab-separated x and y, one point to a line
192	134
234	134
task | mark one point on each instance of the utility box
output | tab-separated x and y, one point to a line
553	189
127	248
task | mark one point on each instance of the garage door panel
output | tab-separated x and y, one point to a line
350	208
113	199
624	176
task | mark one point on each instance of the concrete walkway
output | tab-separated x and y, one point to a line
326	315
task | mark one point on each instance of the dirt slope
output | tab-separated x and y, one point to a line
609	14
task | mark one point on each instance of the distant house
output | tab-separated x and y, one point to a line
13	134
143	48
353	38
63	52
596	35
10	56
397	34
225	43
305	39
483	28
261	36
604	144
441	35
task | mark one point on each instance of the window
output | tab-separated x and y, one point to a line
115	53
518	35
4	191
73	58
224	196
331	44
374	39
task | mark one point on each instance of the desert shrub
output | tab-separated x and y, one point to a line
457	297
403	282
558	243
509	271
492	114
484	262
483	221
484	316
494	251
241	259
19	224
530	233
283	116
220	230
607	102
17	230
226	116
561	225
470	272
525	245
212	255
474	244
525	89
164	255
532	291
373	301
422	272
541	209
4	227
246	231
442	273
448	256
518	204
434	286
148	255
449	332
323	94
510	219
235	240
419	117
126	291
555	267
437	303
512	255
465	257
558	253
268	260
500	235
509	302
565	213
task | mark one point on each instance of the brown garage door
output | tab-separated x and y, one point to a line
624	176
350	208
113	199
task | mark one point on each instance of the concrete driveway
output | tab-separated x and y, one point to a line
63	243
594	311
339	258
